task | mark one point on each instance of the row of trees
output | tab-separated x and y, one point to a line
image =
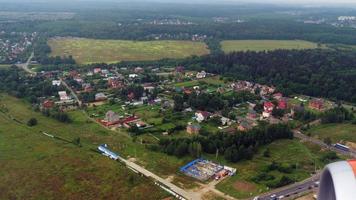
234	147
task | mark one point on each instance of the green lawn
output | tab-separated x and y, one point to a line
207	81
34	166
336	132
265	45
110	51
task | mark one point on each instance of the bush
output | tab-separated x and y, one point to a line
32	122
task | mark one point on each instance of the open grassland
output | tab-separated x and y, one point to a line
109	51
265	45
34	166
336	132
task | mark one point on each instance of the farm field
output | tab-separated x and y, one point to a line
265	45
31	161
86	51
336	132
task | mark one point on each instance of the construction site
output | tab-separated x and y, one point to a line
204	170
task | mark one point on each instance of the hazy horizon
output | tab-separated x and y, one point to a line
298	2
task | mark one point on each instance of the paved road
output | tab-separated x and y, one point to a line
25	65
71	91
300	135
293	190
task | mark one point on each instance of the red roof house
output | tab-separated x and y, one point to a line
268	106
282	104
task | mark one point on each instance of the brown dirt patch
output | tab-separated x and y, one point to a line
244	186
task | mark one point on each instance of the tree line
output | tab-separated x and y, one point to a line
234	147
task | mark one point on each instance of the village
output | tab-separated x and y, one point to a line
13	45
171	102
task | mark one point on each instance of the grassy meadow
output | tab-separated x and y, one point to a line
34	166
109	51
336	132
265	45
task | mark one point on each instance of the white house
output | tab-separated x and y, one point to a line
202	115
133	75
56	82
201	74
63	96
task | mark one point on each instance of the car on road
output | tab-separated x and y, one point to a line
273	197
281	197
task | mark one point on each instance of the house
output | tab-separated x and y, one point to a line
130	96
278	96
111	117
148	86
104	72
201	75
268	108
79	80
97	70
133	75
100	97
73	73
317	104
179	69
115	83
225	121
139	70
193	128
87	87
56	82
252	115
48	104
202	115
282	104
187	91
244	126
63	96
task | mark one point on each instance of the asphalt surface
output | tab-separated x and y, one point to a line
292	190
25	65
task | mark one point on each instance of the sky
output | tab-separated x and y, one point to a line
317	2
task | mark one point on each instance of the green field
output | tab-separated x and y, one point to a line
34	166
336	132
265	45
110	51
